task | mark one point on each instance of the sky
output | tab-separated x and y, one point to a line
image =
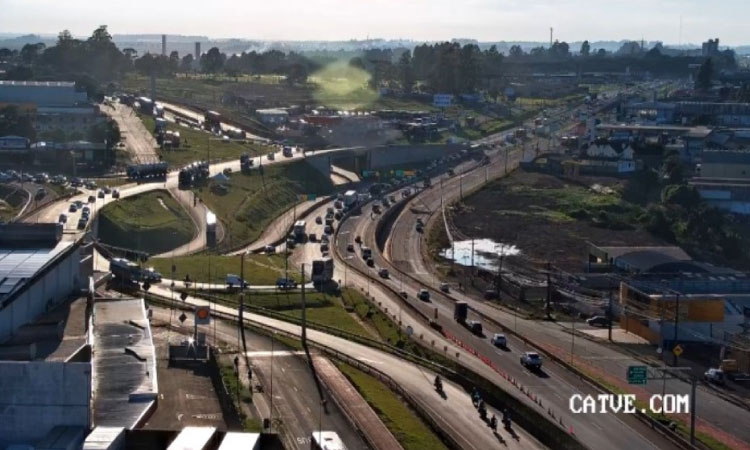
484	20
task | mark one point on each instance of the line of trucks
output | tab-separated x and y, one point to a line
128	271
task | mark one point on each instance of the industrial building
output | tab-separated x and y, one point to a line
54	105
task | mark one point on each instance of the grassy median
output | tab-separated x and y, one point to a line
260	270
152	222
252	201
410	431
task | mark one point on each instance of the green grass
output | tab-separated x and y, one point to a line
410	431
142	223
11	202
253	201
231	383
323	309
259	269
195	145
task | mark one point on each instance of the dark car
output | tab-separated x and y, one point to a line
370	262
598	321
286	283
92	199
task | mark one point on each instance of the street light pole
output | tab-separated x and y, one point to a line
676	323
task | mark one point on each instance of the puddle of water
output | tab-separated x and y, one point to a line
486	253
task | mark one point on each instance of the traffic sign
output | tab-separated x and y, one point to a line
677	350
182	318
637	374
202	315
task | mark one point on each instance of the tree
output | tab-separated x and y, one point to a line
13	122
30	53
585	49
19	73
673	170
405	72
681	195
213	60
515	51
703	79
186	64
130	53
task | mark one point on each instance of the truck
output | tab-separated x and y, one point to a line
299	230
350	198
193	173
460	312
210	226
322	270
287	151
160	125
128	271
212	120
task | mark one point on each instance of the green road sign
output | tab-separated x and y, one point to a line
637	374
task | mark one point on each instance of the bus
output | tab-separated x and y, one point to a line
299	229
327	440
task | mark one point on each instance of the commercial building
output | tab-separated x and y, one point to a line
45	357
54	105
651	259
710	308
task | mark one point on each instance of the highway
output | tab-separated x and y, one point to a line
403	250
139	141
295	395
455	413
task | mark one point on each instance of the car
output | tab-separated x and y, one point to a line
115	193
270	249
451	172
338	204
86	210
370	262
328	229
312	237
475	327
715	376
319	220
444	287
82	223
358	239
27	177
90	184
598	321
531	360
491	294
286	283
324	247
73	208
233	280
63	218
291	243
350	247
324	238
227	171
271	156
337	215
100	194
383	273
92	199
499	340
76	182
403	294
419	228
107	190
41	192
424	295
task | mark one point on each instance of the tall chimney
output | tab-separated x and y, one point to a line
164	45
197	51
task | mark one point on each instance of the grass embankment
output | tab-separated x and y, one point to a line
11	201
322	308
194	145
259	269
152	222
410	431
253	201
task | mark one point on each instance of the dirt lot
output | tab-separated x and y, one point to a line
537	213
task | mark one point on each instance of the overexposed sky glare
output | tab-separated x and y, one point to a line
485	20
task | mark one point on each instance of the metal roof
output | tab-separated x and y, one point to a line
19	265
37	83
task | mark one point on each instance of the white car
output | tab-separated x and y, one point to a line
499	340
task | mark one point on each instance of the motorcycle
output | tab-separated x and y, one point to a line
438	384
493	423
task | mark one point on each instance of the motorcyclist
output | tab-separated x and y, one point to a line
493	423
438	383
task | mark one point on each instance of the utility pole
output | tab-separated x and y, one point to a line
676	323
548	305
304	310
609	317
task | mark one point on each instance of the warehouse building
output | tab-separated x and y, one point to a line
38	271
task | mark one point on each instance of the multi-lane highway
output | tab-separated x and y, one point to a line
554	385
